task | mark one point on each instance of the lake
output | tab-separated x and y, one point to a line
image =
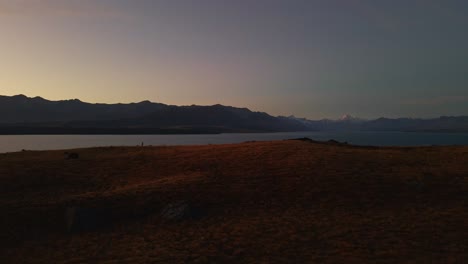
49	142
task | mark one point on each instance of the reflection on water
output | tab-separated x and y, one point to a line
41	142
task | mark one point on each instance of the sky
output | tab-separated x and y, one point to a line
308	58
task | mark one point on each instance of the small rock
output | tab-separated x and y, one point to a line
179	211
80	219
72	155
305	139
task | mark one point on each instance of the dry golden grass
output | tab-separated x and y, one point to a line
259	202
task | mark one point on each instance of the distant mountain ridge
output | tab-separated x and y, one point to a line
23	109
25	115
38	115
349	123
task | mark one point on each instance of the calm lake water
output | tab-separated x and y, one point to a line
45	142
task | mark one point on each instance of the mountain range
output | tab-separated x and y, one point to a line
26	115
349	123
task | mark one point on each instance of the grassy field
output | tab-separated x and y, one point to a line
258	202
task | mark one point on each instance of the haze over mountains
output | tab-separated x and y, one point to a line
25	115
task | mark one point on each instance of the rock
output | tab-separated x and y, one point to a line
72	155
306	139
79	219
179	211
335	142
329	142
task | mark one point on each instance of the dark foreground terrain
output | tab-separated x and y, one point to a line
260	202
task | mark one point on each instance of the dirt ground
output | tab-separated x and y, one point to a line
258	202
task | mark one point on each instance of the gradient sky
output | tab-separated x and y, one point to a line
314	59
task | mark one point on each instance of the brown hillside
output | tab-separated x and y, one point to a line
259	202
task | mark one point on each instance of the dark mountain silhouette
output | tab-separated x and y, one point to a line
348	123
22	109
24	115
443	123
